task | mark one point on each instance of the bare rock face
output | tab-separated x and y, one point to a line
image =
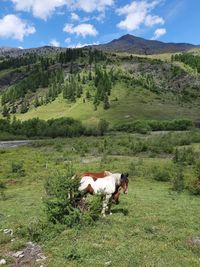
29	256
11	78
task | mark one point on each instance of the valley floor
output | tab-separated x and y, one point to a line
152	225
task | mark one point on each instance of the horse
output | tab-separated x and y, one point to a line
99	175
105	186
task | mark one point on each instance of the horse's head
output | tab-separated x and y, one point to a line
124	182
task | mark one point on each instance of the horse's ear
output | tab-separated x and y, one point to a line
127	174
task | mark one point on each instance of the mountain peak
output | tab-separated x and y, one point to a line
137	45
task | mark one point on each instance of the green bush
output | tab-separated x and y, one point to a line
145	126
194	184
161	173
18	167
63	202
60	206
135	126
185	156
178	180
2	190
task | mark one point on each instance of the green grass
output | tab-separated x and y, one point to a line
133	103
151	226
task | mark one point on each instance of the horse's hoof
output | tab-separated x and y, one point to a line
110	213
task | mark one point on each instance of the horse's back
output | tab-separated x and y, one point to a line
105	185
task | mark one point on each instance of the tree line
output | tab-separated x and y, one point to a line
61	127
189	59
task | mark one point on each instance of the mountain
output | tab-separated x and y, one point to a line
89	84
126	43
136	45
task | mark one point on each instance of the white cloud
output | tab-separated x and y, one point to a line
74	16
138	13
79	45
68	40
93	5
81	29
45	8
55	43
153	20
158	33
13	27
40	8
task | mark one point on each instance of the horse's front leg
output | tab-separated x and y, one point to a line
106	204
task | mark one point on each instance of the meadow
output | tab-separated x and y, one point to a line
153	225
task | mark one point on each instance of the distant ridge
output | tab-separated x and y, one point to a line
136	45
126	43
15	52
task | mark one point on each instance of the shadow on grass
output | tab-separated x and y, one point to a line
125	212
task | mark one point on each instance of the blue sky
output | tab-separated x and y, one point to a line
74	23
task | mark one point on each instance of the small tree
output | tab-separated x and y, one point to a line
36	102
102	126
106	104
61	198
5	111
194	185
178	181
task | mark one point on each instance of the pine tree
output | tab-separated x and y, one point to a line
36	102
5	111
88	95
24	106
106	104
79	90
90	76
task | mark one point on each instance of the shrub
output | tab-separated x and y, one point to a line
102	126
154	125
60	206
2	190
135	126
184	156
63	202
194	184
17	167
160	173
178	180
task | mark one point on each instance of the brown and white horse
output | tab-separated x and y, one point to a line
99	175
105	186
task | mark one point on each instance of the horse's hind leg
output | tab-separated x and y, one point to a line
106	205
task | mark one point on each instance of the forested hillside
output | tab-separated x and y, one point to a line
89	84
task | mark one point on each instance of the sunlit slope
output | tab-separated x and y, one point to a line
126	104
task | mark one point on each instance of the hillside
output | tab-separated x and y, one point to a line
89	84
18	52
136	45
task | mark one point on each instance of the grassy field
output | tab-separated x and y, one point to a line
152	225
